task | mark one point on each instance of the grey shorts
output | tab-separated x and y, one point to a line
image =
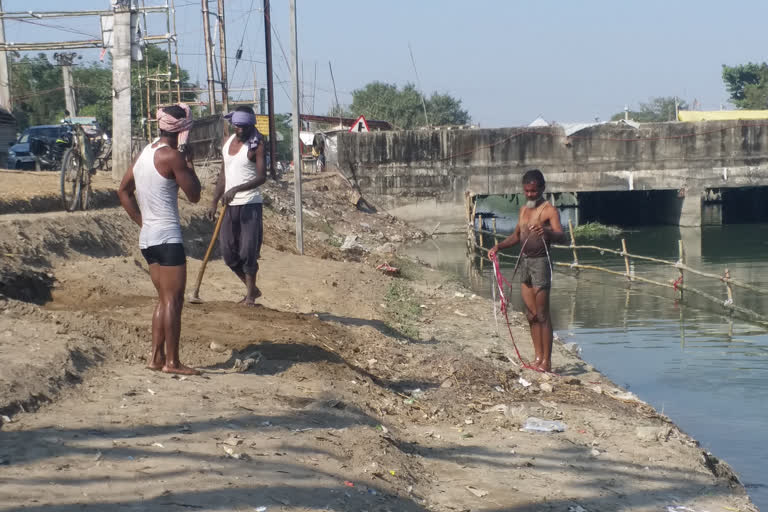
535	272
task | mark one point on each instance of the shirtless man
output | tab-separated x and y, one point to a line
537	227
149	193
241	174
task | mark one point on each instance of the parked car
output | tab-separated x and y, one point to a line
19	155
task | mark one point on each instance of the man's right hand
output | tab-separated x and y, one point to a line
492	252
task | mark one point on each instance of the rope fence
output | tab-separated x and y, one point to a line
678	285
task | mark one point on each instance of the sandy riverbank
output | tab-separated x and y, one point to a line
368	392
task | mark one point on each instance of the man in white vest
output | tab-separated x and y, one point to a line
149	193
237	187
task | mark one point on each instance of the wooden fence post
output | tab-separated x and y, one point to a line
480	229
681	252
573	243
494	230
728	287
626	258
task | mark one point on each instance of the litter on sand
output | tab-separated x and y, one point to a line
533	424
477	492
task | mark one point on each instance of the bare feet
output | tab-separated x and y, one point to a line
251	301
156	362
180	369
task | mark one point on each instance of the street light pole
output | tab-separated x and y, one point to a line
296	129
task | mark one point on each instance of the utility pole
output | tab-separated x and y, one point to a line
121	91
176	52
333	81
5	85
209	59
223	58
296	128
65	61
270	91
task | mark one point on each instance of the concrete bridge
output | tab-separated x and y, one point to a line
672	168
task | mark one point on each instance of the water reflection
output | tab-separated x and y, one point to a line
703	368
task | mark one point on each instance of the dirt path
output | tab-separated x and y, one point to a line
358	398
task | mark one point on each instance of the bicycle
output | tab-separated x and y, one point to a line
77	165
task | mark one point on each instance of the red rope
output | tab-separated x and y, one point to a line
677	282
500	282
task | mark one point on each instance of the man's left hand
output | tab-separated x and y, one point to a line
537	229
229	195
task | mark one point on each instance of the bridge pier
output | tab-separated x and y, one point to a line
690	209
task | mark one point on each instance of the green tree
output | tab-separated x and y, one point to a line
37	90
657	110
747	84
284	147
444	109
93	92
404	108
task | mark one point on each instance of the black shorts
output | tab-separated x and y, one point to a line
165	255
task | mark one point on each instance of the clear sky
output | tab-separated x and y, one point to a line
509	61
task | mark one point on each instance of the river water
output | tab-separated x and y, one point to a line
688	359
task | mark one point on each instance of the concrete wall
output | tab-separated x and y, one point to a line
422	170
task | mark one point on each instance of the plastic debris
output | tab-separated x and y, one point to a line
153	393
5	419
457	312
388	269
595	452
459	295
159	445
231	453
533	424
233	441
260	509
576	508
248	362
216	347
348	483
392	472
480	493
524	382
573	348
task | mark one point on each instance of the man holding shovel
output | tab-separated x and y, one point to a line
237	188
149	193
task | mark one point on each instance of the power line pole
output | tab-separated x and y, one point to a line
65	61
121	91
314	89
270	90
223	58
209	59
418	81
5	85
338	107
176	52
296	130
